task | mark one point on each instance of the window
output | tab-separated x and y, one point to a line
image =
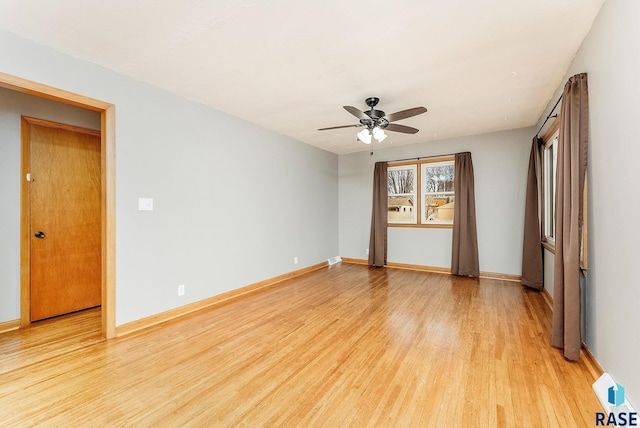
549	164
437	192
421	193
549	167
401	185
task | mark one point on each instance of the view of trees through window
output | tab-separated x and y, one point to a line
400	181
439	178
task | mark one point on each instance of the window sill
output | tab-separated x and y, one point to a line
549	247
424	226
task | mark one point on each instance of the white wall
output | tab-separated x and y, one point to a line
233	202
609	55
12	106
500	162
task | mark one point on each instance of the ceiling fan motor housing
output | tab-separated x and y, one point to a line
373	113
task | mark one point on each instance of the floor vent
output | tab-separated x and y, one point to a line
334	260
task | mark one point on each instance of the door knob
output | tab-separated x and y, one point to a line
39	234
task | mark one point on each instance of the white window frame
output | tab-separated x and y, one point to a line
413	195
424	194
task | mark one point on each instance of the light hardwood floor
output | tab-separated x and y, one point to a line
342	346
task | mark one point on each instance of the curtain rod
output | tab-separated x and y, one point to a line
422	157
548	117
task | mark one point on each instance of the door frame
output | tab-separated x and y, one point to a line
107	197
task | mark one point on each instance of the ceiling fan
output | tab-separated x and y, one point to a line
376	121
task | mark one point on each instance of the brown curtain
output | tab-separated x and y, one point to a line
464	257
532	269
378	237
570	179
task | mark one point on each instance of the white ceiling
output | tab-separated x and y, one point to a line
290	65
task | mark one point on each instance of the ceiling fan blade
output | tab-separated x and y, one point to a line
338	127
403	114
401	128
357	113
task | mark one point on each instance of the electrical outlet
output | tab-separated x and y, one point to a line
366	251
181	290
295	260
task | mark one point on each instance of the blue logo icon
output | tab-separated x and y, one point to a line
616	395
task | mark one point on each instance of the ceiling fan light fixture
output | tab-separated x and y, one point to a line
379	134
364	136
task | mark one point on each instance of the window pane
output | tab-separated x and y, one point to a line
401	181
401	184
439	207
438	178
550	161
401	209
554	151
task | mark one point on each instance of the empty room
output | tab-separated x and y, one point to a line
243	213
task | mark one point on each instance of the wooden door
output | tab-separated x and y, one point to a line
65	219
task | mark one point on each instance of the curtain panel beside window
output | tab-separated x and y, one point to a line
532	257
570	180
378	237
464	257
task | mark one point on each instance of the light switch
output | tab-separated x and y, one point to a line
145	204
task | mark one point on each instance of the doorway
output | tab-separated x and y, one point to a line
107	197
